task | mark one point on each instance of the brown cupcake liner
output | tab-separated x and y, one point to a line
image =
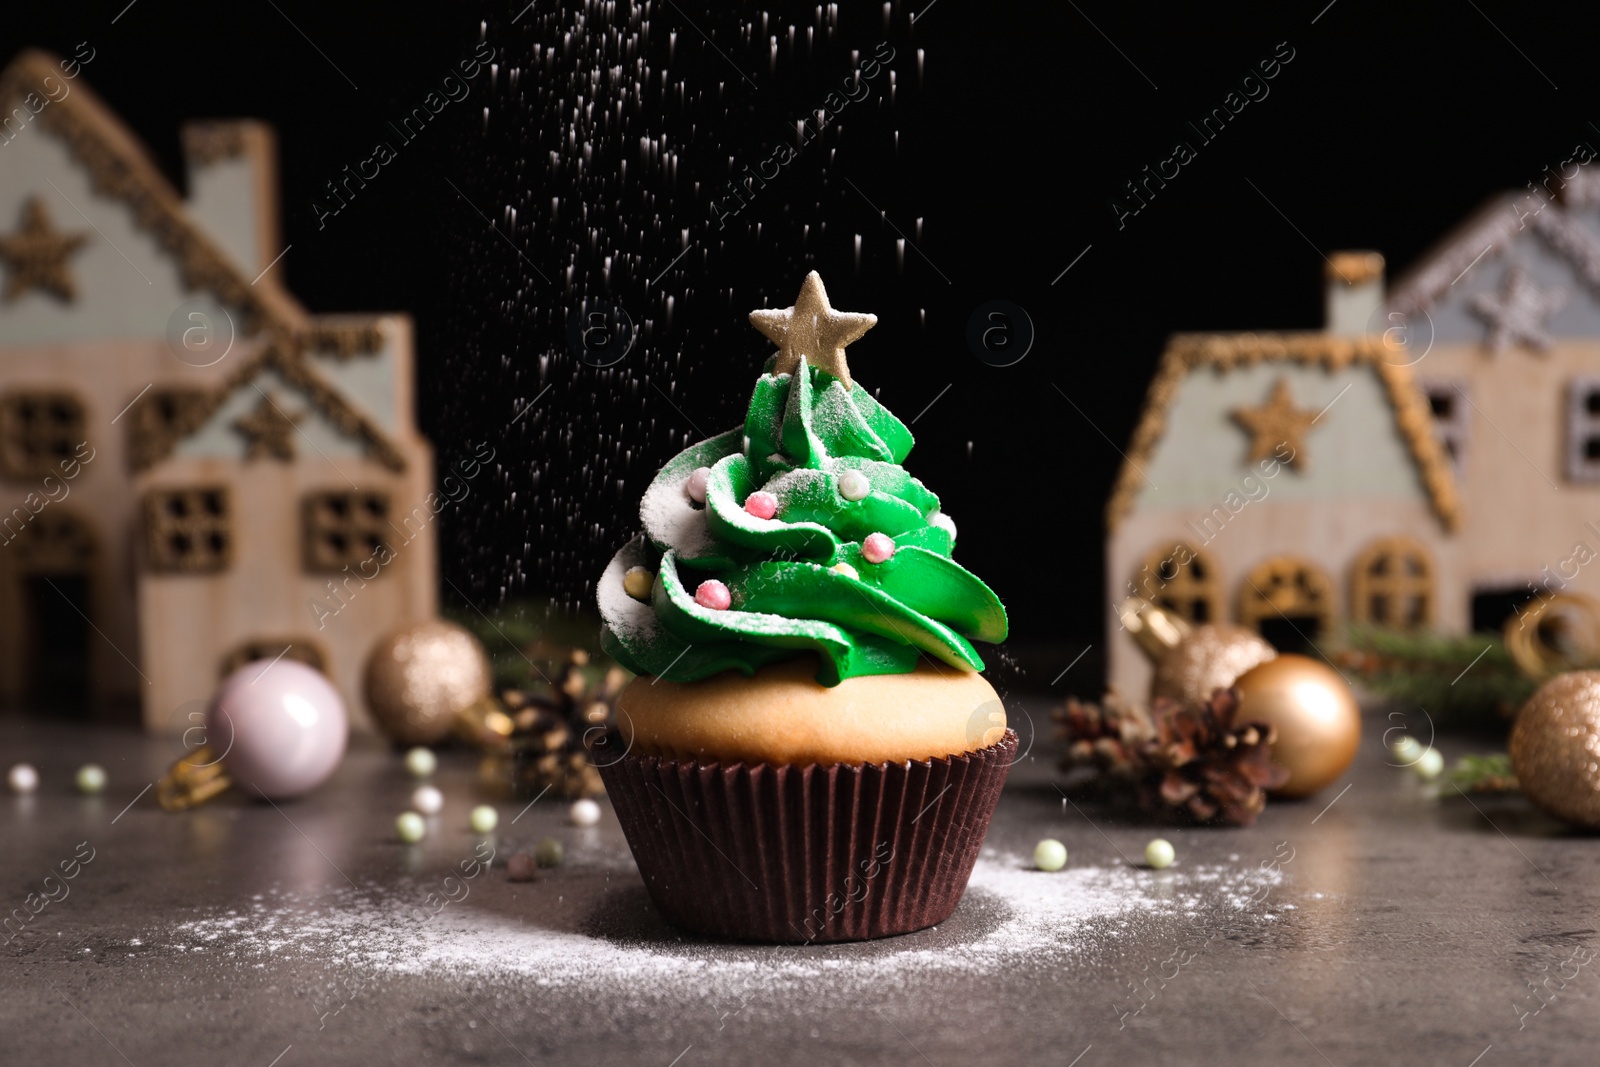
771	852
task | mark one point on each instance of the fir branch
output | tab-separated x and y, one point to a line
1462	679
1481	774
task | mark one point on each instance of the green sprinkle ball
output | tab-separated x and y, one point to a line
1160	853
91	778
421	762
1049	855
410	827
548	853
483	819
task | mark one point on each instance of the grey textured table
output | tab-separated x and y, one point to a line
1381	928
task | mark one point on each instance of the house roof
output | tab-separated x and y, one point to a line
121	169
1186	353
1489	232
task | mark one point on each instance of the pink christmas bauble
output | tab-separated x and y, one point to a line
279	727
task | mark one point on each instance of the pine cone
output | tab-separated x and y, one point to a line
1106	736
1207	763
549	748
1198	759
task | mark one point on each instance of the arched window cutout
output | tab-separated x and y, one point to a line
1392	584
1183	580
1291	602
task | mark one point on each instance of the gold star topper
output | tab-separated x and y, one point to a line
1277	422
811	328
268	431
36	255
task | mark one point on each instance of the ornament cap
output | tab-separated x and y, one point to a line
1561	633
192	780
1155	629
484	723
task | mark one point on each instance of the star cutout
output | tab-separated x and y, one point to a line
36	255
1277	422
811	328
268	431
1517	312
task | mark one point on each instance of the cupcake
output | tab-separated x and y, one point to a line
810	753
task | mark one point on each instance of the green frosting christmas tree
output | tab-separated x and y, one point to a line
799	532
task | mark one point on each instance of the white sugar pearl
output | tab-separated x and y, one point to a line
1430	764
410	828
845	569
696	485
1160	853
483	819
584	812
427	799
944	522
421	762
22	778
853	485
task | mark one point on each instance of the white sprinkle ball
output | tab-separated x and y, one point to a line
584	812
22	778
427	799
696	485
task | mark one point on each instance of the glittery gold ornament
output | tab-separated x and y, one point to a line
1191	662
1555	747
424	680
1315	716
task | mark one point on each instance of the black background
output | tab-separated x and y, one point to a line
1389	125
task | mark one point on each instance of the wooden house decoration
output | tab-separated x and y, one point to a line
1431	458
196	471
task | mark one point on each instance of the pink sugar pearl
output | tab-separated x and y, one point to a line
714	595
761	505
877	548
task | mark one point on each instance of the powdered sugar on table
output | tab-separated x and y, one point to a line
1011	911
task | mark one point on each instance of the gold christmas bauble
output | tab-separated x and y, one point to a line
1315	716
422	678
1206	659
1555	747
